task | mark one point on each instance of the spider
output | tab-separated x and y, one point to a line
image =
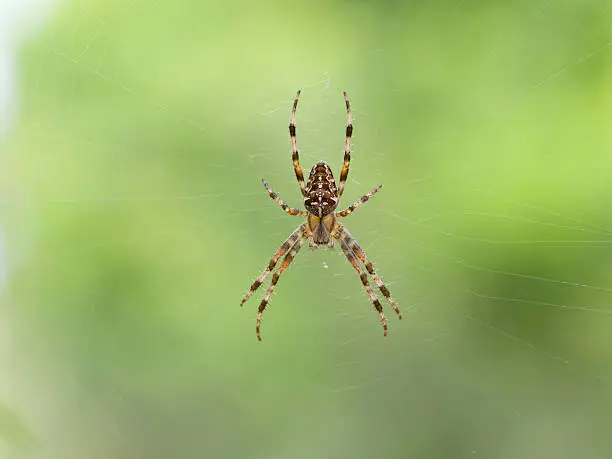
322	226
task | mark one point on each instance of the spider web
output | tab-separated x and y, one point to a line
135	220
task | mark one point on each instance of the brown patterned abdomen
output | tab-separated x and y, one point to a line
321	192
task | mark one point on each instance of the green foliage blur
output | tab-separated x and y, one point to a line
135	222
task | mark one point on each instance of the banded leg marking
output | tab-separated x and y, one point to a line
299	174
280	202
285	263
347	147
364	280
352	243
349	210
282	250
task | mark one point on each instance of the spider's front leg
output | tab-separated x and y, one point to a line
280	252
275	277
352	258
356	250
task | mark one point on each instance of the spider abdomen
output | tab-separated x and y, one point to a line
321	193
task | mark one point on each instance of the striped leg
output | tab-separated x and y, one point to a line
352	243
282	250
363	199
286	262
364	280
280	202
347	148
296	158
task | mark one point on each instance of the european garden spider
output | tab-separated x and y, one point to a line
322	226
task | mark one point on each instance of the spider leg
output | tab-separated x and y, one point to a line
353	206
352	243
282	250
364	280
296	158
285	263
347	148
280	202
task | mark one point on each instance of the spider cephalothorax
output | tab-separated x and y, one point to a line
321	198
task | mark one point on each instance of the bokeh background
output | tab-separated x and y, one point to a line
134	221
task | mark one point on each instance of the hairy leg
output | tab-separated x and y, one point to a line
282	250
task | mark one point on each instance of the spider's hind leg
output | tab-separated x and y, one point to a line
347	147
299	174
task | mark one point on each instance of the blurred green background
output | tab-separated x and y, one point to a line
135	221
